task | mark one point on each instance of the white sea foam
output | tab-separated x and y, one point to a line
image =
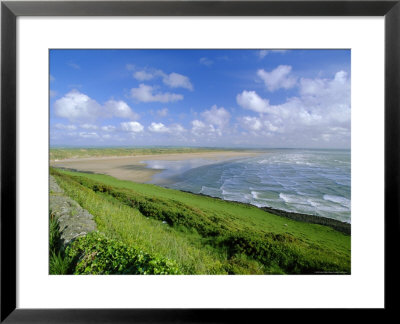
254	194
315	182
339	200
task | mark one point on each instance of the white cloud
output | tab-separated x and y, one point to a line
252	101
67	127
217	116
158	128
278	78
176	80
162	112
145	94
76	106
270	127
108	128
92	135
120	109
173	80
215	122
263	53
133	127
143	76
177	128
199	128
52	78
206	61
321	112
89	126
161	128
251	123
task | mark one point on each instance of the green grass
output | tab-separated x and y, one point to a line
59	262
97	254
69	153
204	235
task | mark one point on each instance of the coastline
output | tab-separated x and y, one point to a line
337	225
133	169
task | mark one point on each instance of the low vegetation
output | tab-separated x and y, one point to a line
71	153
59	262
191	234
97	254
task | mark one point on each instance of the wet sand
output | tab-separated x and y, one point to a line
131	167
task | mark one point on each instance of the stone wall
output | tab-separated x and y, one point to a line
73	220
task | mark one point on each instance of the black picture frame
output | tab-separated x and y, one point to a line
10	10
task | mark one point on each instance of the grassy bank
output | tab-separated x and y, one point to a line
72	153
95	253
204	235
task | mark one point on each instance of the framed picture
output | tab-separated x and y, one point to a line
237	148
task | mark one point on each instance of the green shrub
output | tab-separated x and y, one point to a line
237	238
96	254
54	234
59	263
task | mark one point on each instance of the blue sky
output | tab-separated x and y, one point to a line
230	98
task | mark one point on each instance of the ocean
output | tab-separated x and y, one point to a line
315	182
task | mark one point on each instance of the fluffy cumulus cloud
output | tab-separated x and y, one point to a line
214	122
258	125
158	128
321	111
200	128
132	127
175	80
278	78
218	117
108	128
145	93
172	80
120	109
252	101
143	75
78	107
251	123
161	128
89	126
177	129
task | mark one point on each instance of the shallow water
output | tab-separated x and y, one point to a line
315	182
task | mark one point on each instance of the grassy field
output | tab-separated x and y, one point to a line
72	153
203	235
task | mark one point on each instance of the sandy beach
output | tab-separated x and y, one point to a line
133	169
